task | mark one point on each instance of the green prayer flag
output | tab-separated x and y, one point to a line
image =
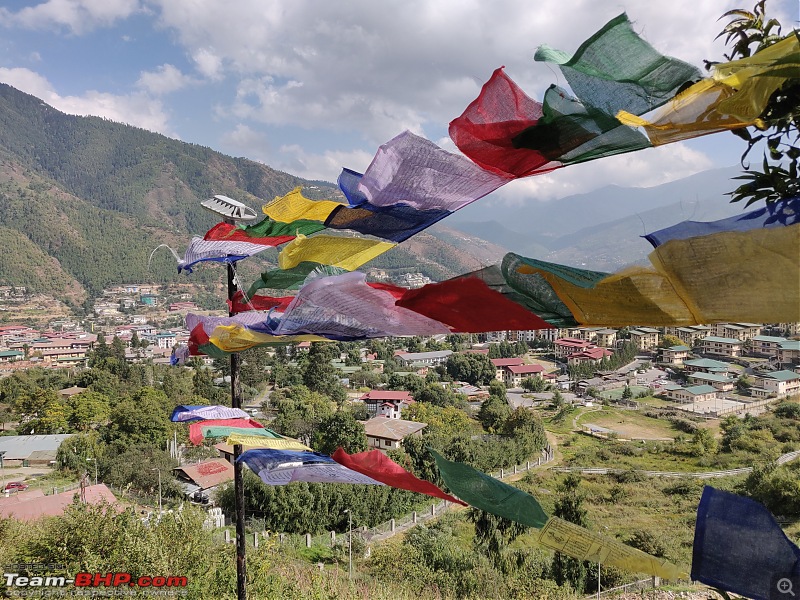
490	494
219	431
270	228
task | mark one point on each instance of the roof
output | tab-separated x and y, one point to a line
698	390
10	353
30	509
593	353
781	375
392	429
522	369
384	395
678	348
20	447
721	340
414	356
706	363
71	391
572	342
209	473
643	330
768	338
506	362
711	377
790	345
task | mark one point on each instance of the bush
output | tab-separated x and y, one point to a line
629	476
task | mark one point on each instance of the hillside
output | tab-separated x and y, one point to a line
84	201
74	189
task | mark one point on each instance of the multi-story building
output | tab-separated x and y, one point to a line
645	338
718	346
777	383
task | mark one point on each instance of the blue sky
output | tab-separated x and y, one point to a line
308	86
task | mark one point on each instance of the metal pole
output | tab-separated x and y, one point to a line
350	540
238	485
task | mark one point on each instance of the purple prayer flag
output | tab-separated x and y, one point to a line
202	413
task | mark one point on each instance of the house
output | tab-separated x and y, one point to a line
720	346
69	392
689	335
428	359
674	355
766	345
501	363
204	475
645	338
789	329
563	347
723	383
605	338
386	434
30	450
513	375
705	365
590	356
696	393
738	331
374	399
166	339
11	355
789	352
777	383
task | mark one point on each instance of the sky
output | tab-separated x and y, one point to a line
311	86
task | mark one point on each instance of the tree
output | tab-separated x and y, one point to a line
494	534
475	369
87	409
534	384
299	411
668	341
627	393
493	413
437	395
319	375
749	32
340	429
569	506
142	419
703	442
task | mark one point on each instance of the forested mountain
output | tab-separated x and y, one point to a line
84	201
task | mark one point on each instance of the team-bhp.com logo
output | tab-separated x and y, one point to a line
92	580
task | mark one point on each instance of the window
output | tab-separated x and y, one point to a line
387	442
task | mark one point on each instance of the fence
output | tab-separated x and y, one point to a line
392	527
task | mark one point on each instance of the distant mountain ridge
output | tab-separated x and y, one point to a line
601	229
84	202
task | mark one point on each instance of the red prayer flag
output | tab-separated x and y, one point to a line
257	302
227	232
486	129
196	427
468	305
378	466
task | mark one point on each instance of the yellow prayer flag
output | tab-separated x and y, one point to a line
294	206
343	252
236	338
578	542
257	441
748	276
734	97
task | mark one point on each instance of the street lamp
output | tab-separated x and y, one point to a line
159	491
350	540
231	211
95	468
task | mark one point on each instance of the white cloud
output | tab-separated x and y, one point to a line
164	80
292	158
379	68
76	16
136	109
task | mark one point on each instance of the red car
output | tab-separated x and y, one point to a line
15	486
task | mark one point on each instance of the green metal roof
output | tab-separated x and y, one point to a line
782	375
706	363
790	345
768	338
679	348
711	377
721	340
696	390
